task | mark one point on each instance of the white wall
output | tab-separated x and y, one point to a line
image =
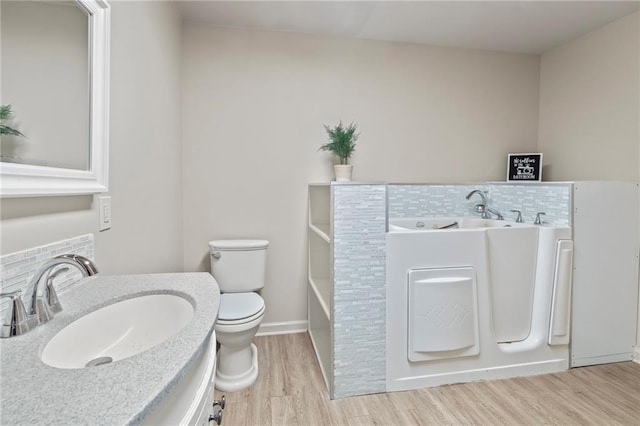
590	107
145	155
589	103
146	177
253	107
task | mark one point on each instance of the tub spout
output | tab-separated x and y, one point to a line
481	208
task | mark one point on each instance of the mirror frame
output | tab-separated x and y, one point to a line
24	180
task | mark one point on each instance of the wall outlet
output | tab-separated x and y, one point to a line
105	212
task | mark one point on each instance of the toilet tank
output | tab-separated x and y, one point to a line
238	265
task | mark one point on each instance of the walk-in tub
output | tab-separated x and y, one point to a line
472	299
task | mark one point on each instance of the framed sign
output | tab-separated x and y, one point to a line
524	168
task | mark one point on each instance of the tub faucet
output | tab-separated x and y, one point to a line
498	215
518	216
480	193
483	208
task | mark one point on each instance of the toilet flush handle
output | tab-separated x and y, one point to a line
216	255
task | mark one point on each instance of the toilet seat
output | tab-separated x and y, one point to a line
238	328
240	308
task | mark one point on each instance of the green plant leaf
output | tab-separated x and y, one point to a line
342	141
5	114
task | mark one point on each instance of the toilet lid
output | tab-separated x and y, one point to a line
232	245
235	306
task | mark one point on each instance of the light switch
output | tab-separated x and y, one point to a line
105	212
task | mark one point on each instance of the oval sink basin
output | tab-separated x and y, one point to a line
118	331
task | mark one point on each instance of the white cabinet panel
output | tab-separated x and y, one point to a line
605	279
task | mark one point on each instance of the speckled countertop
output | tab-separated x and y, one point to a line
123	392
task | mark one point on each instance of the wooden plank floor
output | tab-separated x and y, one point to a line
290	391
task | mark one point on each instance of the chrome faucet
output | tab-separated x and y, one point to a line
48	305
42	307
496	213
483	208
518	216
18	320
538	220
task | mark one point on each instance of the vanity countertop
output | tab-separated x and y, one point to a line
123	392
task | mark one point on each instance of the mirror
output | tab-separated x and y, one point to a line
54	76
45	50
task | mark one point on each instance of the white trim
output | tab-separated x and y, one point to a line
474	375
24	180
286	327
636	355
597	360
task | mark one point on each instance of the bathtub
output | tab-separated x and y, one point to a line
472	299
449	223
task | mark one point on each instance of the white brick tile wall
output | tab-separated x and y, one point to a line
359	298
17	269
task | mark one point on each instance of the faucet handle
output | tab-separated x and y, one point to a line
46	306
18	320
518	216
51	296
538	220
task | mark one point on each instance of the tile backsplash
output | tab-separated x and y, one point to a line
427	200
17	269
555	200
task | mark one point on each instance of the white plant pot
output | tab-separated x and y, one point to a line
343	172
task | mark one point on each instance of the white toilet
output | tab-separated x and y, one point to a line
239	268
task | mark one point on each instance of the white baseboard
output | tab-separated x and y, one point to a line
473	375
636	355
602	359
286	327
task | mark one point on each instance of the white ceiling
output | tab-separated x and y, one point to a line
511	26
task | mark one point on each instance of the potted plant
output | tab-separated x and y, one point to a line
10	144
5	115
342	143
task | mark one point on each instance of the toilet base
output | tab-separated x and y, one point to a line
237	382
